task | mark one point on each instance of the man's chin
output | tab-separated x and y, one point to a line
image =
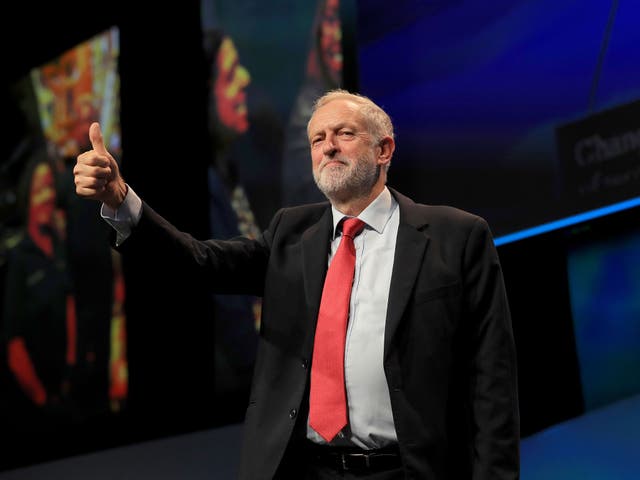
335	192
329	183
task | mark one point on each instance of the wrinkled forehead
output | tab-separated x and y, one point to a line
338	112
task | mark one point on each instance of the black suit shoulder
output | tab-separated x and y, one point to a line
305	211
448	213
437	216
297	219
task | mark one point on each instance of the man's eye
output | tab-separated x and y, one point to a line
346	133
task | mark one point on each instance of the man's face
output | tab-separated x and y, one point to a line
343	153
230	84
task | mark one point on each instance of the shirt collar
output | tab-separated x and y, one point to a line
375	216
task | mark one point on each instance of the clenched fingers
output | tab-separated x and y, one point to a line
92	173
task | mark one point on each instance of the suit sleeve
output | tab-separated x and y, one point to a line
235	266
493	386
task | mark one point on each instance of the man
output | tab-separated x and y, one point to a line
430	367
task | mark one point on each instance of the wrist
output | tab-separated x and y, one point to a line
119	193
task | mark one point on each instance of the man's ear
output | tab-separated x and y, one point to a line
387	146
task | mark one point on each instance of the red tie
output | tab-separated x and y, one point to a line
328	400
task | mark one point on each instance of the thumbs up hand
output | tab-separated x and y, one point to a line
96	173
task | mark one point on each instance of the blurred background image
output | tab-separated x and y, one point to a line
63	318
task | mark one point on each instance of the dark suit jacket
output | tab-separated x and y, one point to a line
449	354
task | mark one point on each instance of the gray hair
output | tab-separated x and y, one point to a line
377	120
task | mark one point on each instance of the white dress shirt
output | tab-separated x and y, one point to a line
125	217
370	417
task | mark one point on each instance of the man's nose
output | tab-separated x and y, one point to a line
330	147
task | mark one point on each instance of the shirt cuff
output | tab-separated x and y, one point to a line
125	217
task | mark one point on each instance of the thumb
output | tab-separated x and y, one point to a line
97	142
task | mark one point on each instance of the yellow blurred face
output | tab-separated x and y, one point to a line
70	100
229	88
42	196
331	38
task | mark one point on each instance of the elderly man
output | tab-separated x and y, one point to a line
386	347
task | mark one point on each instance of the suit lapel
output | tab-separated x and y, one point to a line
315	253
410	247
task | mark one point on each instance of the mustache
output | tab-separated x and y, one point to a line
340	159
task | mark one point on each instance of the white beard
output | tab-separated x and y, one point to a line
350	179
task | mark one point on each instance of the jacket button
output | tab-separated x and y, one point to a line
304	364
292	413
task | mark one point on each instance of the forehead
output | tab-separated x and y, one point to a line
337	112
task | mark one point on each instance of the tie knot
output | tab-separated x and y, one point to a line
352	226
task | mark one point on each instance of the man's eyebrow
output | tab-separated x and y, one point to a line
336	126
312	135
340	125
345	124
